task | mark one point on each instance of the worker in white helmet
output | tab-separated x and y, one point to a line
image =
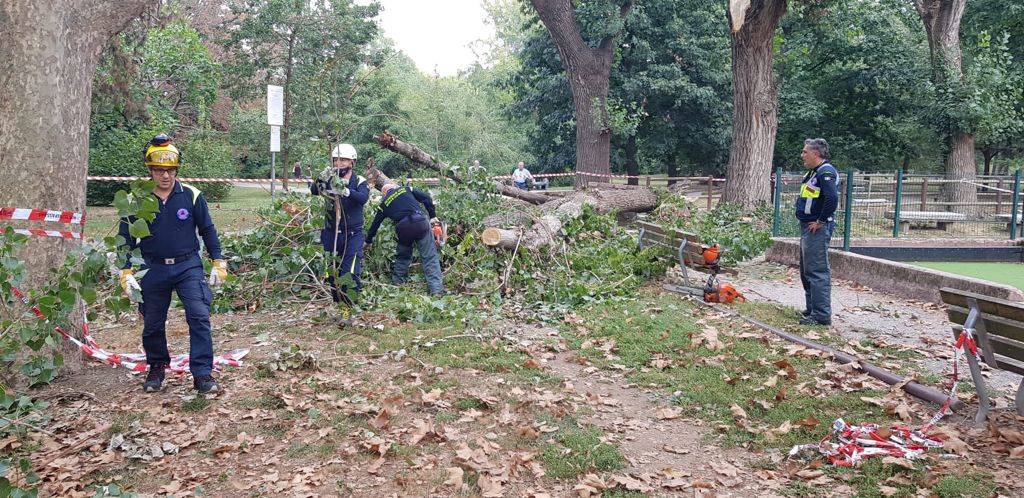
345	195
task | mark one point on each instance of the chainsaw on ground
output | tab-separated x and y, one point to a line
440	231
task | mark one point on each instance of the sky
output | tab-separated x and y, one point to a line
435	33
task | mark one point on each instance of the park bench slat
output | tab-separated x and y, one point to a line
1005	327
999	330
987	305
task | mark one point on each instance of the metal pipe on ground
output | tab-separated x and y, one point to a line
913	388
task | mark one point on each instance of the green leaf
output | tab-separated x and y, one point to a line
139	229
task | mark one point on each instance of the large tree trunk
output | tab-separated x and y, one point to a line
49	51
588	70
605	197
941	20
755	101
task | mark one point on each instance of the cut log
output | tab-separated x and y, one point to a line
500	237
418	156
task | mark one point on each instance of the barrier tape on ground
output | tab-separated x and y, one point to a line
67	217
848	445
135	362
38	232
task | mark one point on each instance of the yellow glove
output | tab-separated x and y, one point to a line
128	282
218	272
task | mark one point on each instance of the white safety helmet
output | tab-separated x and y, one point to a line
344	151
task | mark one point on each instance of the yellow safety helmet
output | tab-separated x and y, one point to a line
160	153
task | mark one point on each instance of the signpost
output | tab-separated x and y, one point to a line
275	118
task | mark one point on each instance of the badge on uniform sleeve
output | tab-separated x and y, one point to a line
183	214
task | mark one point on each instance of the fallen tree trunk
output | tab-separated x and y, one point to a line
616	199
418	156
604	197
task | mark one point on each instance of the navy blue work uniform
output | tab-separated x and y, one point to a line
348	240
402	206
171	253
819	196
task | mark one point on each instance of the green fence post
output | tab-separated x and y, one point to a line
777	200
899	202
848	210
1013	205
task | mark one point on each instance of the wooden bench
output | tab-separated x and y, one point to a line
998	329
942	219
686	247
1007	218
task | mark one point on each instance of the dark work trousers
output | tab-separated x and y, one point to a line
350	247
189	281
414	230
815	274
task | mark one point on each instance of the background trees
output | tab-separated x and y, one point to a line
858	73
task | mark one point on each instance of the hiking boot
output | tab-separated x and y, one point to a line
205	384
812	321
805	313
155	378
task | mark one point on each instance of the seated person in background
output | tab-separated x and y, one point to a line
520	175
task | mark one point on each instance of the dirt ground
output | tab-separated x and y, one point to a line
367	411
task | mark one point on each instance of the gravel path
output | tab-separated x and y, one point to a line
860	313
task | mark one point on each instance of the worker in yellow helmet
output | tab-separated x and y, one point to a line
171	254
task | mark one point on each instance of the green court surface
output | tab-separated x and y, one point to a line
1004	273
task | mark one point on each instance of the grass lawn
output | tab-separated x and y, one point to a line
237	212
1003	273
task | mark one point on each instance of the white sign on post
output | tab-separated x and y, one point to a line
275	139
275	105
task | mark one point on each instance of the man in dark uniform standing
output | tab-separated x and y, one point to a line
818	199
345	194
402	206
171	254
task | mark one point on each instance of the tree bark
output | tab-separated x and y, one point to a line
755	101
50	51
632	168
588	70
941	20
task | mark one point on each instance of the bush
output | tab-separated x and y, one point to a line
118	152
115	152
250	135
207	155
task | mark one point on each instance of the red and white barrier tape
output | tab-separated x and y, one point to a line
428	179
847	445
38	232
68	217
135	362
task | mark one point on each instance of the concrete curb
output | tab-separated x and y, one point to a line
891	277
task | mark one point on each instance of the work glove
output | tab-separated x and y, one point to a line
129	284
218	272
344	192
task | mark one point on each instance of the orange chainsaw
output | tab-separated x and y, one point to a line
718	292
